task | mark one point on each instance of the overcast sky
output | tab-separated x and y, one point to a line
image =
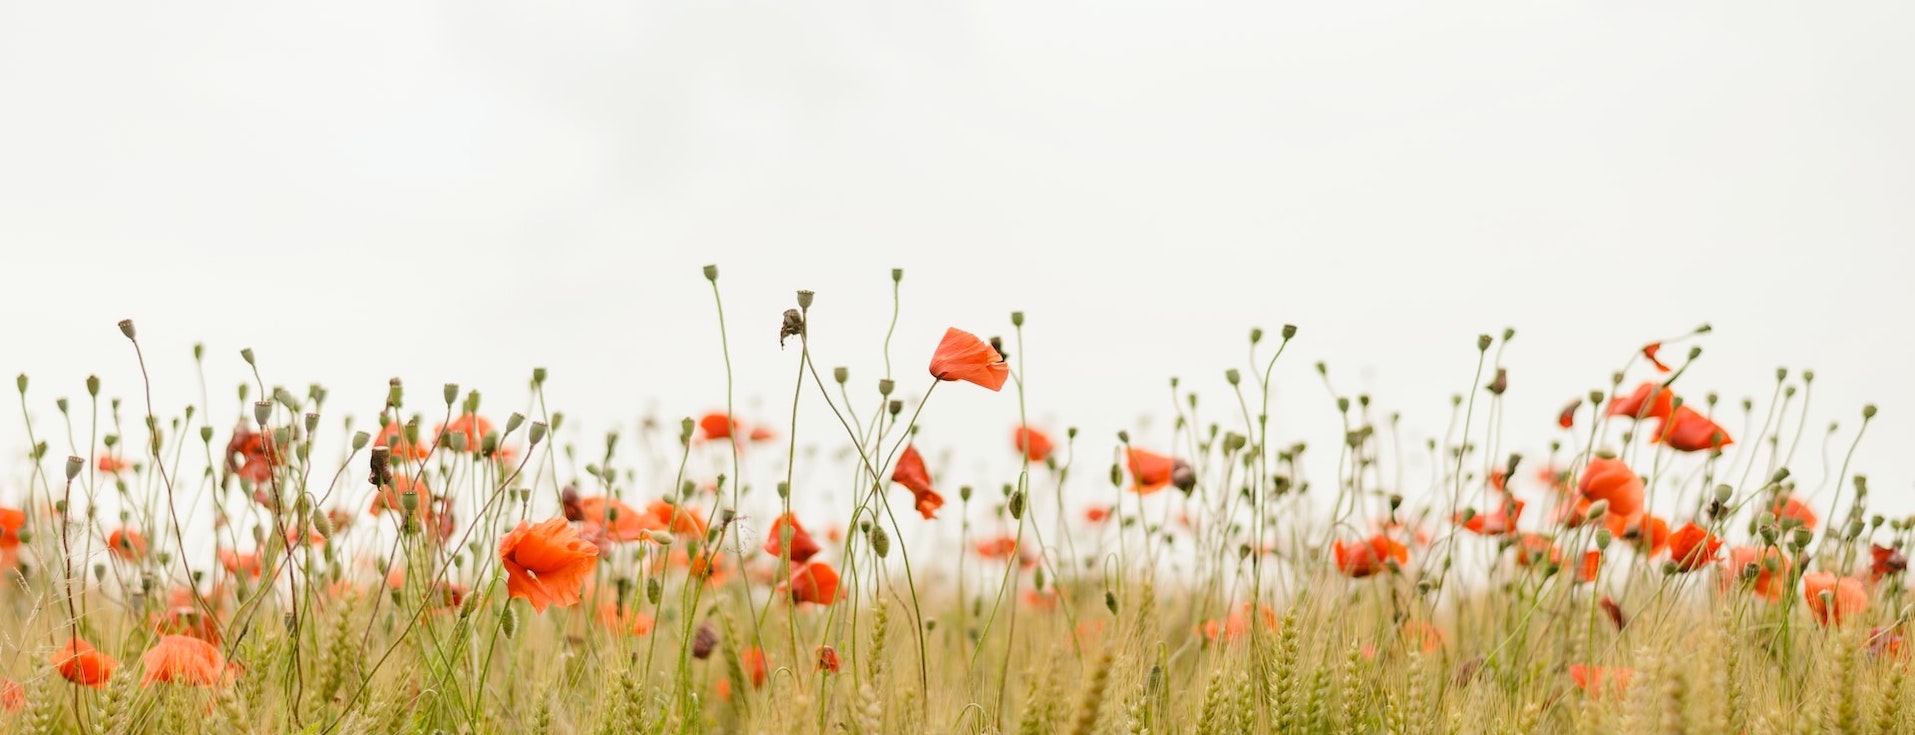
458	192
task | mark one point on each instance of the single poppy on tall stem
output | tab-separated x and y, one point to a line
1687	430
83	664
1032	444
547	564
1650	400
914	476
802	547
962	356
1692	547
1149	471
1608	478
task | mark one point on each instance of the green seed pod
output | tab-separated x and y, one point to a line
653	590
880	541
1110	601
508	620
1016	505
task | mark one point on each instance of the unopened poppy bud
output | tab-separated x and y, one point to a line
262	412
884	386
1868	411
1597	510
1695	352
73	467
322	525
804	298
1780	475
508	619
711	274
1016	506
653	590
1323	368
784	490
455	441
897	274
1723	493
1037	578
472	402
1116	475
880	541
1343	404
840	374
21	383
1123	437
1231	376
1603	537
490	443
93	385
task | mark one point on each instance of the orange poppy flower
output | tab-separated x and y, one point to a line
1370	556
126	544
240	562
1501	522
715	425
753	659
1884	561
393	438
678	519
546	564
1532	548
1149	471
1422	635
1607	478
1097	513
1591	678
1846	597
1692	548
1032	444
472	426
815	582
1792	508
625	618
113	465
182	659
802	545
252	455
1772	569
1689	431
83	664
1233	627
1591	566
13	697
1650	350
1040	599
613	520
962	356
1000	548
1649	533
11	521
914	476
828	661
1650	401
185	620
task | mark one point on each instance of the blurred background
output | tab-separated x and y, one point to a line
461	192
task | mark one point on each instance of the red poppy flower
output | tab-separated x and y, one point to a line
1532	548
1149	471
716	425
1566	418
472	426
802	545
1000	548
547	564
240	562
1591	566
828	661
678	519
182	659
1692	548
185	620
393	437
627	620
614	521
753	659
1609	479
1792	508
1772	570
1650	401
1097	513
13	697
1032	443
1501	522
1649	351
1846	597
126	544
912	474
83	664
252	455
1233	627
1370	556
1649	534
815	583
11	521
1884	561
962	356
1689	431
113	465
1591	678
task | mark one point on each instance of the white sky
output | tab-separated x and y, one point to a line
462	191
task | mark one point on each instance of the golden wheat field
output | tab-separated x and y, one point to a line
458	568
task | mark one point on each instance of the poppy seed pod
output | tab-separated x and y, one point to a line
885	386
263	412
897	275
804	298
711	274
126	328
840	374
73	467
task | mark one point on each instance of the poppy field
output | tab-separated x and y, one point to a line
462	568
